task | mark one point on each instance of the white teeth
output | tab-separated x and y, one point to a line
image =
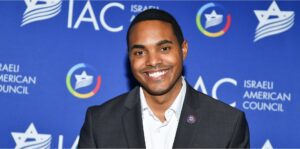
157	74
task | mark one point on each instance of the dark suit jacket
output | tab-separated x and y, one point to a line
118	123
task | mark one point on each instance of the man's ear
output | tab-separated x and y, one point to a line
184	48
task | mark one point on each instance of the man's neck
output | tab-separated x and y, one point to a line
159	104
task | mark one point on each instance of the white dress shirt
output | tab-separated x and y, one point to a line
157	134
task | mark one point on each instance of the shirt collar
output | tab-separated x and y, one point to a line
176	105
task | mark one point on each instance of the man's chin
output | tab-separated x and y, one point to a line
156	91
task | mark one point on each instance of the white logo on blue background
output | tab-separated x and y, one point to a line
31	139
273	21
213	19
38	10
83	80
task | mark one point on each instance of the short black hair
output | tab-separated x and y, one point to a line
155	14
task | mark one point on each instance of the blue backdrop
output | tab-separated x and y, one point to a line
59	57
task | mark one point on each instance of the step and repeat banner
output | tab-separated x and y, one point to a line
58	57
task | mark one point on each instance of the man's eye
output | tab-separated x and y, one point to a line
139	53
165	49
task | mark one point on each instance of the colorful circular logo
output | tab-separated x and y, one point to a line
208	17
84	80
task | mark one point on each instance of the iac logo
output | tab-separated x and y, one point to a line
108	17
83	81
87	15
272	21
102	17
200	85
249	94
38	10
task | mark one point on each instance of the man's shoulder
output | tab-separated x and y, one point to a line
215	113
113	106
115	101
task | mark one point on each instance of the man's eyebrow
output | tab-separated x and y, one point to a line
137	46
163	42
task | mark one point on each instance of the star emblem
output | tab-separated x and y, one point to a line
213	19
36	4
38	10
264	16
31	138
83	80
273	21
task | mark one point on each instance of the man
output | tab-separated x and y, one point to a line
164	111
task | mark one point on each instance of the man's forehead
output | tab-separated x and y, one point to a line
151	32
151	29
152	23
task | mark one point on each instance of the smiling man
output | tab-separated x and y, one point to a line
164	111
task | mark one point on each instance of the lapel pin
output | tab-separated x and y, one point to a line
191	119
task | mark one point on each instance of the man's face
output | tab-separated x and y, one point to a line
155	55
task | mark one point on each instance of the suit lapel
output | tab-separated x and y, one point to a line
187	129
132	121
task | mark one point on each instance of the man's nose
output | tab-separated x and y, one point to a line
153	59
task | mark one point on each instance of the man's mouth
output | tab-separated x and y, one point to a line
156	74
